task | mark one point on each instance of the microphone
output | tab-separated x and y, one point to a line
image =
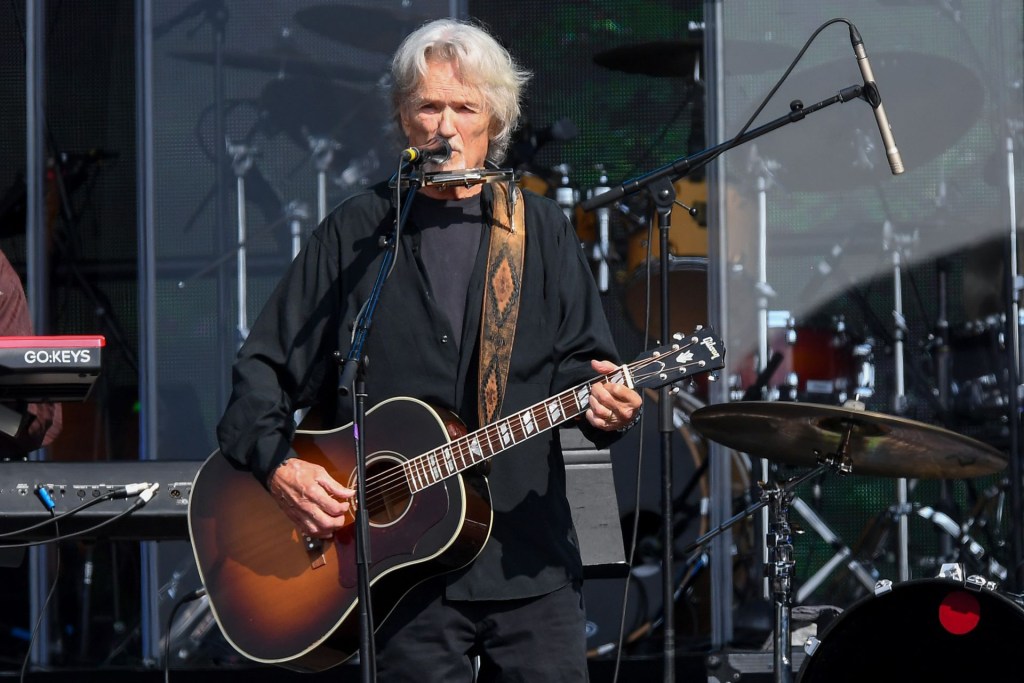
875	100
436	151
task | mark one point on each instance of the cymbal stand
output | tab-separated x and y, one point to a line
322	149
897	244
295	212
779	571
779	540
843	554
1012	287
241	162
943	380
601	246
776	499
763	290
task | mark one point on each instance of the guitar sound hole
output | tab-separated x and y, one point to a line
387	492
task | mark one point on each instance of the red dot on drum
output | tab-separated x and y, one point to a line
959	613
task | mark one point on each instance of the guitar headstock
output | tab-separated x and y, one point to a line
697	352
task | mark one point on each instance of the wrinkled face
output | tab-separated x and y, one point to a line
445	106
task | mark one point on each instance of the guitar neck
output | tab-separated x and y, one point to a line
462	453
699	352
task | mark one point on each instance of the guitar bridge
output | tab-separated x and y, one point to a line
315	547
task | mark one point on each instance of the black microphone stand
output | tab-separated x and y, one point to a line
353	381
659	184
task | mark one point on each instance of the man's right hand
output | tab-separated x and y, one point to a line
316	503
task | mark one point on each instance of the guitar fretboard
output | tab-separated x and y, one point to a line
697	353
461	454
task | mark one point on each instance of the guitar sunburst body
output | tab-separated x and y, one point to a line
286	599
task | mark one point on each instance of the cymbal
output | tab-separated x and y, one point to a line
283	62
880	445
377	29
677	58
931	101
308	107
672	58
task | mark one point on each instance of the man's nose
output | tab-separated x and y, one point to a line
447	125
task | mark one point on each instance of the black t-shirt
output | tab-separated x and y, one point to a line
448	247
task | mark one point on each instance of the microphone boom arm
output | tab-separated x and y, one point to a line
683	165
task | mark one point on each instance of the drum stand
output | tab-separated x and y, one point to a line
1014	355
241	162
322	149
843	554
764	290
601	245
897	244
779	570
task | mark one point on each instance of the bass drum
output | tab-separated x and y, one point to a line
923	630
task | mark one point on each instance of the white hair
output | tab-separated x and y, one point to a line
481	60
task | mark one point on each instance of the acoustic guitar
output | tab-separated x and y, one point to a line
284	598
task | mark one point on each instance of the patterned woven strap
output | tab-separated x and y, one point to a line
502	292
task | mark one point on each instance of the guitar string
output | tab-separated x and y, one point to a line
397	478
462	448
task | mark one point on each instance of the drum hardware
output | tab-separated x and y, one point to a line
601	245
867	576
295	212
1012	286
242	161
898	244
943	381
847	439
965	544
322	150
779	568
779	565
566	196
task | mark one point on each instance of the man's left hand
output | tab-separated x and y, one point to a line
612	405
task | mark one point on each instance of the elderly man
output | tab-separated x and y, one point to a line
515	611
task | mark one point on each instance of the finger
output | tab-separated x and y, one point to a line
333	488
334	507
603	366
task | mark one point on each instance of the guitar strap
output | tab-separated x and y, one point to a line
502	292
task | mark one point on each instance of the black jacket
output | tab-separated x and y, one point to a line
287	363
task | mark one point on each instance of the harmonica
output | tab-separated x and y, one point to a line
464	177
